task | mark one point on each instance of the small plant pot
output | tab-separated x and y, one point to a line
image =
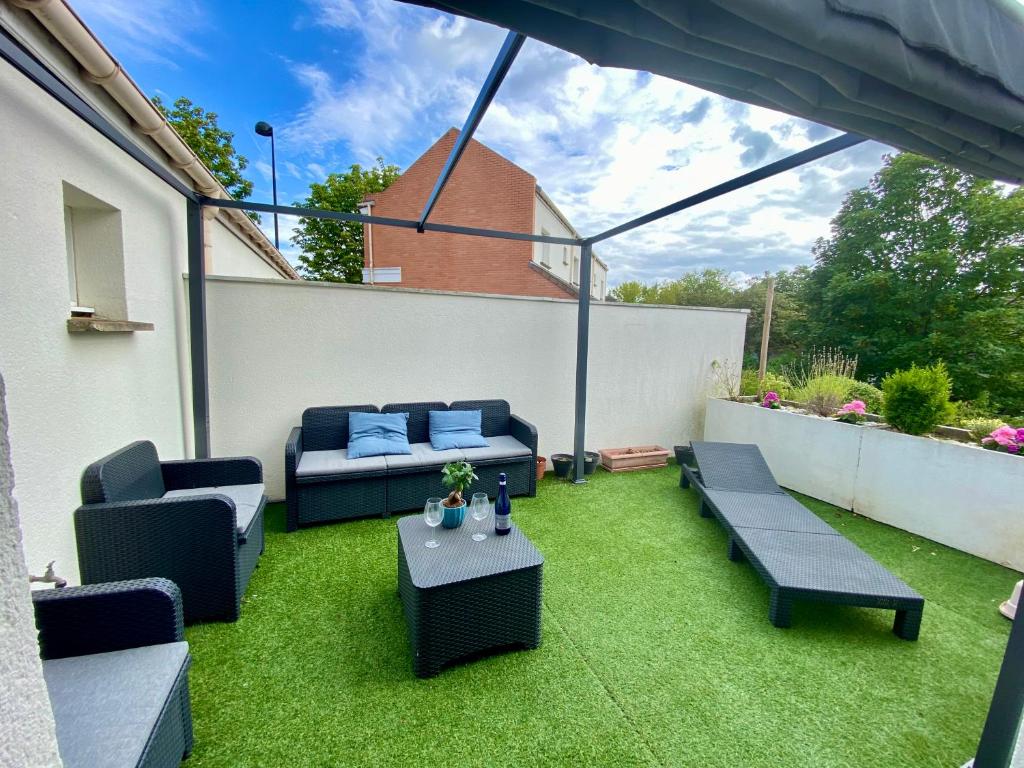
562	462
453	516
542	465
684	454
590	462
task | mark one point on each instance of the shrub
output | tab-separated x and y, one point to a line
981	426
869	394
916	400
818	363
774	382
748	382
823	394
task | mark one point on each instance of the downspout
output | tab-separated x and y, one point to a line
366	209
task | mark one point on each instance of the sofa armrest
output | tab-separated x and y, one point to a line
205	473
98	618
524	432
292	455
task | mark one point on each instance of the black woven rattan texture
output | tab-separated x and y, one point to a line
326	428
771	511
419	418
206	473
494	414
466	597
292	453
98	618
193	541
130	473
734	467
341	498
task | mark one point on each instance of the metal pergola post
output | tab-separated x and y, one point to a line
582	351
197	330
999	736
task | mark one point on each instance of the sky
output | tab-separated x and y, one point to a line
346	81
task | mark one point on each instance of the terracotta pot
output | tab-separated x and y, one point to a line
542	464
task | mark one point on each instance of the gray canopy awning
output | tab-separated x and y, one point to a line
944	78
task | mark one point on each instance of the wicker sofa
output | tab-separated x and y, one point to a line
323	484
198	523
116	670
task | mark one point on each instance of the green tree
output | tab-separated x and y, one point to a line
333	250
211	144
926	263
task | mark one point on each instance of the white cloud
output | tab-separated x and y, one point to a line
147	31
606	144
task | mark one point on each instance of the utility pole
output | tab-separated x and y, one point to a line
769	299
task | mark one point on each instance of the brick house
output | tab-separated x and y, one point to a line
488	191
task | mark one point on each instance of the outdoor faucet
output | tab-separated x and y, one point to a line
49	577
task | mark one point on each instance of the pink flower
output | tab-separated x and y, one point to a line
854	406
771	400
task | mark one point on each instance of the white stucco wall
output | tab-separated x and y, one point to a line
228	254
74	397
277	348
546	220
27	736
957	495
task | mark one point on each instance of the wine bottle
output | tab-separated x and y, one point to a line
502	508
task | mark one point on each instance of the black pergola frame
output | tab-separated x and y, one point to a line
998	737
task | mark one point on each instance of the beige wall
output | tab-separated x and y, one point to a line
279	347
546	220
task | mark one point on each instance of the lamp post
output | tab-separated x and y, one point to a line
266	129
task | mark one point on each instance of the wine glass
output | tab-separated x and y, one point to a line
479	508
433	514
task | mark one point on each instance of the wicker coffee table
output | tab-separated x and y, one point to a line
466	596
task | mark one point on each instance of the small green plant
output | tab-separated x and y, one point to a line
774	382
870	395
457	475
726	379
981	426
916	400
823	394
818	363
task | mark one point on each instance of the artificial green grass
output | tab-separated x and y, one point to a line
656	651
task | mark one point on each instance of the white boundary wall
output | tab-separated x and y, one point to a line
954	494
279	347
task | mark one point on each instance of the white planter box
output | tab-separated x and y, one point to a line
966	498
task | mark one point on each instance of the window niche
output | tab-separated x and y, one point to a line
95	265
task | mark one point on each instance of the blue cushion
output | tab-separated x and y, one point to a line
456	429
377	434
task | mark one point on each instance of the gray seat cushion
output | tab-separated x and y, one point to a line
106	705
424	455
501	447
247	499
323	463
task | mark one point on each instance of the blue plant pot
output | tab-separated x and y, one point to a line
453	516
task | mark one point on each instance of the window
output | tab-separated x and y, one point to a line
95	252
575	269
565	255
545	250
383	275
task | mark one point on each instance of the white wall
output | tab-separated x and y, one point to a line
74	397
228	254
957	495
27	737
278	347
546	220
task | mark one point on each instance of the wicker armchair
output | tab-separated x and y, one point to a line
198	523
116	669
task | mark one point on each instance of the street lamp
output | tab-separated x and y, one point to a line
266	129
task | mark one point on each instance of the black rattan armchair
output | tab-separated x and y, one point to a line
198	523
